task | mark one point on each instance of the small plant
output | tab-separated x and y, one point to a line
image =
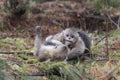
101	5
2	66
1	25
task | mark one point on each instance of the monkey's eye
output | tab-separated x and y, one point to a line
67	35
72	36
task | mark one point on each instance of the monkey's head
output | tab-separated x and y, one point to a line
71	36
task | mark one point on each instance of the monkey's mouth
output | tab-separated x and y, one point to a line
68	41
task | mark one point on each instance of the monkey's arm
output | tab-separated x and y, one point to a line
74	54
77	51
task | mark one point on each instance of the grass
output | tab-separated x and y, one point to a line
101	6
64	70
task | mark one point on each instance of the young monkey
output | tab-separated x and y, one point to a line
53	50
74	43
77	41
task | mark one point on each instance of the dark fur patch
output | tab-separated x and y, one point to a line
85	38
50	43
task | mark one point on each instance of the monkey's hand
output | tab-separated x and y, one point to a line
77	51
74	54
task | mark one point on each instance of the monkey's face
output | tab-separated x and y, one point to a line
70	37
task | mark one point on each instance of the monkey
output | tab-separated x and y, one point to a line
53	50
76	40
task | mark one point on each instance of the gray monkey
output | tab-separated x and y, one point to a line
53	50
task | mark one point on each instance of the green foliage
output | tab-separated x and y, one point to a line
115	41
101	5
2	66
117	33
26	6
16	43
32	61
5	9
64	70
1	25
20	44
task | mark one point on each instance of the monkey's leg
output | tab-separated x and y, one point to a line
37	43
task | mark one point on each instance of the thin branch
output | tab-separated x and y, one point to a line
119	22
107	51
117	25
108	34
17	52
95	17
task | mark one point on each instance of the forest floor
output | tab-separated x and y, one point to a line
18	36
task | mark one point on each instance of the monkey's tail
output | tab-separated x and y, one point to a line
37	43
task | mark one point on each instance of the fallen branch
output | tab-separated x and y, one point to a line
116	24
95	17
17	52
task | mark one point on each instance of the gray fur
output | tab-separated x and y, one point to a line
53	50
85	38
82	41
37	42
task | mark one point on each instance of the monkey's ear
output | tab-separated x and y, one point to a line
63	31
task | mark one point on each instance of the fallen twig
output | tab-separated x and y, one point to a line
95	17
116	24
17	52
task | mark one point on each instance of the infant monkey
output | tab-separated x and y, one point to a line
77	42
53	50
